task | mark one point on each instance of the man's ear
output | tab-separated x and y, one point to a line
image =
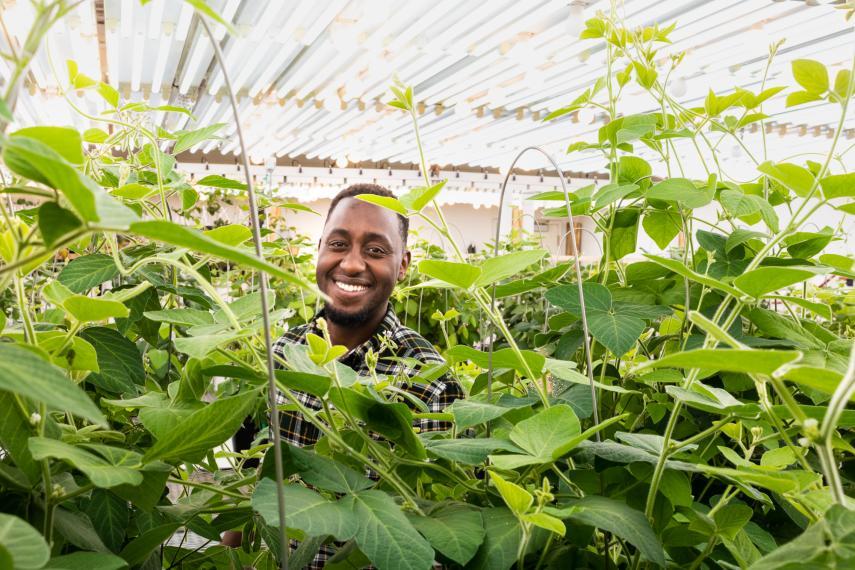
405	264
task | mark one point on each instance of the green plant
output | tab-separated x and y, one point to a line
724	430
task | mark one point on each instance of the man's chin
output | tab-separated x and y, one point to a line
346	318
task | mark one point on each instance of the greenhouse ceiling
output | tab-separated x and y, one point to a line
313	75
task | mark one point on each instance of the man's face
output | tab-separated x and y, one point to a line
361	257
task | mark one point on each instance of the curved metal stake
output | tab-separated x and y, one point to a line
577	265
262	287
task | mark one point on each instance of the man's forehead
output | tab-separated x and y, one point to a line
353	215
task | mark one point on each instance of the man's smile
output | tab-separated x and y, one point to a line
350	287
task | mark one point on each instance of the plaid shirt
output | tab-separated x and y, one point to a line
391	339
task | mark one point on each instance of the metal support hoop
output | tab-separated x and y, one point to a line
265	314
576	265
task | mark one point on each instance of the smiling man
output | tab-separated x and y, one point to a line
362	255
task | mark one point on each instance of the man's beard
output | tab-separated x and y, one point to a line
345	319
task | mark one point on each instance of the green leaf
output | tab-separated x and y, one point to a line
460	275
15	431
64	140
87	561
384	202
796	178
385	535
468	413
517	498
201	345
471	451
314	384
738	204
545	521
611	193
495	269
55	222
306	510
503	534
22	372
100	471
838	186
419	197
825	544
543	434
5	113
455	530
108	93
681	191
37	161
801	97
504	358
624	232
87	271
763	280
120	363
230	234
680	269
110	516
810	74
176	234
139	549
623	521
134	191
195	435
316	470
186	317
217	181
188	139
95	136
746	360
662	226
89	309
23	544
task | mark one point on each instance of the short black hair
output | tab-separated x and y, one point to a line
377	190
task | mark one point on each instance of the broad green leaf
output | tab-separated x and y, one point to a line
194	436
838	186
230	234
495	269
471	451
544	433
810	74
517	498
95	136
504	358
468	413
632	169
140	548
680	269
23	544
100	471
547	522
681	191
391	420
710	399
418	198
217	181
87	561
823	379
455	530
460	275
763	280
317	470
819	309
108	93
119	360
87	271
825	544
662	226
56	222
188	139
738	204
624	232
802	97
314	384
305	510
741	236
15	431
187	317
501	541
611	193
623	521
176	234
110	516
746	360
64	140
37	161
796	178
384	202
22	372
90	309
385	535
202	345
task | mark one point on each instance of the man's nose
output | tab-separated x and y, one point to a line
352	262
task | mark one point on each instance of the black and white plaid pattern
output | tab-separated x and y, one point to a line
408	344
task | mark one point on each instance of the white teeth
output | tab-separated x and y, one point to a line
350	288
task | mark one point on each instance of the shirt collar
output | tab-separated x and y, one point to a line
388	325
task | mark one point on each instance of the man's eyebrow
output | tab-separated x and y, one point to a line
377	236
339	231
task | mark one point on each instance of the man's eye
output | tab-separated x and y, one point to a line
336	244
376	251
